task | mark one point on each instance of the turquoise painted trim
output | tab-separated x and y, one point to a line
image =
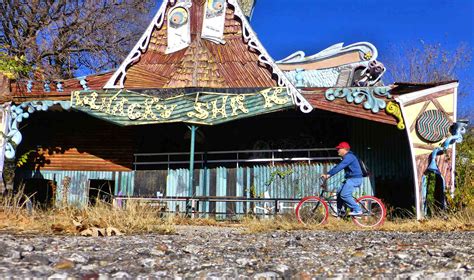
373	97
193	129
23	111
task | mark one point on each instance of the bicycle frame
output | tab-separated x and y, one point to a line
323	204
329	199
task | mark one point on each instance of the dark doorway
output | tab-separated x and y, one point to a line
40	191
101	190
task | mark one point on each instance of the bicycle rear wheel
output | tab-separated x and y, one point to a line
373	212
312	210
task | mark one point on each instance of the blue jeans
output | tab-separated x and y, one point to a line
344	194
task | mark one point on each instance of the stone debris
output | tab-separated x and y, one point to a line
226	253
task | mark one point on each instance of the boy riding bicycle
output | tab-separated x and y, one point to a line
353	179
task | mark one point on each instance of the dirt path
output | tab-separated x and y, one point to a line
208	252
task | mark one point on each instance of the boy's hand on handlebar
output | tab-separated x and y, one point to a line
325	176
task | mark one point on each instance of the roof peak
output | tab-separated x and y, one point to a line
163	57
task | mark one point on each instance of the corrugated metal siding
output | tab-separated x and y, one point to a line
302	180
383	148
386	152
78	188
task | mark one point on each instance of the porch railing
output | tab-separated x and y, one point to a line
238	157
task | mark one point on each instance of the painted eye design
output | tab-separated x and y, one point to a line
178	17
216	5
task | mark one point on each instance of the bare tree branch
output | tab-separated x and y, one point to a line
60	36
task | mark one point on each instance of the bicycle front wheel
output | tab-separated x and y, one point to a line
312	210
373	212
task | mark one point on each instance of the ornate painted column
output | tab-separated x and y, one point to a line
429	117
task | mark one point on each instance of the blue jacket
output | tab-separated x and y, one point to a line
351	167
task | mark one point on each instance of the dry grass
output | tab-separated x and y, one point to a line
459	221
462	220
253	225
18	216
135	218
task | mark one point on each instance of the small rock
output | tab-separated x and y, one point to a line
243	261
192	249
89	267
58	276
402	256
15	255
449	254
37	259
282	268
293	244
77	258
90	276
267	275
120	275
148	263
358	254
28	248
64	264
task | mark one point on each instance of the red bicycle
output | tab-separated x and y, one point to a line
314	210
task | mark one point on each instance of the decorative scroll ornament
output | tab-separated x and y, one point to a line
394	110
433	125
214	19
358	95
179	27
20	112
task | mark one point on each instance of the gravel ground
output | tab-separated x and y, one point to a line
217	252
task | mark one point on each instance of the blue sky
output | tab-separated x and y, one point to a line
285	26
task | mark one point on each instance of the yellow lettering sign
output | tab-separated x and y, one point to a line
200	112
78	99
134	115
237	103
149	114
221	110
118	109
272	98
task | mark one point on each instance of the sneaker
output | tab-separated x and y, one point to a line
355	213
